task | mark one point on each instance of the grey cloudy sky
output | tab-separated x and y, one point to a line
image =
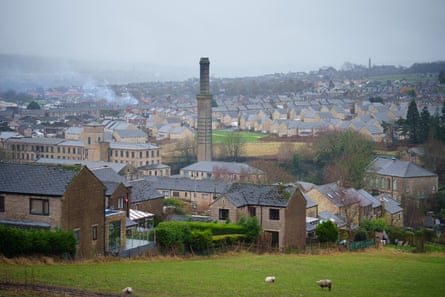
241	37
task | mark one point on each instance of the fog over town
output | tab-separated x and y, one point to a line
162	40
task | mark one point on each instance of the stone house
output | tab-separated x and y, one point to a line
224	171
336	200
146	197
399	179
52	197
197	194
281	212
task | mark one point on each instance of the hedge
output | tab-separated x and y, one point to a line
20	242
182	237
218	229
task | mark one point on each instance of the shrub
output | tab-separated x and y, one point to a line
361	235
173	237
18	242
374	225
253	229
228	239
327	231
201	240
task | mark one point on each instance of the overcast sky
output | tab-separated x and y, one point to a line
240	37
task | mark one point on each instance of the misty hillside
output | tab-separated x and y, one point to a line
18	72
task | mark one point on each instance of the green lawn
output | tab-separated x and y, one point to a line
383	272
219	135
410	77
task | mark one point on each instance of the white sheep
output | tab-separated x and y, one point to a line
269	279
127	291
325	283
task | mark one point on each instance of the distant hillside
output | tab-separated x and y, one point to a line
433	67
20	72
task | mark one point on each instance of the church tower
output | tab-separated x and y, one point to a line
204	113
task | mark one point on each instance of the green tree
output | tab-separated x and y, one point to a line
442	77
374	225
442	123
435	129
343	156
413	122
425	124
33	105
327	231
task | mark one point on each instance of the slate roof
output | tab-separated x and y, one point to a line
131	133
374	201
326	215
117	167
391	205
395	167
107	174
260	195
309	202
232	167
337	195
188	185
132	146
143	190
35	179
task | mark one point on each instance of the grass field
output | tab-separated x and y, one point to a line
410	77
219	135
375	272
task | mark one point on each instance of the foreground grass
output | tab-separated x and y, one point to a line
385	272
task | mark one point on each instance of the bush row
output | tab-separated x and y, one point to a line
181	237
19	242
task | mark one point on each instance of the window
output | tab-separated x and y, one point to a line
120	202
394	184
2	204
382	184
223	214
39	206
89	140
252	211
175	194
94	230
77	235
274	214
165	193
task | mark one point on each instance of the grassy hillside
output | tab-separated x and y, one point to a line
383	272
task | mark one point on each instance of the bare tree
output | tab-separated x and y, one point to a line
232	146
186	150
285	152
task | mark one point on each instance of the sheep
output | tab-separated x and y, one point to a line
269	279
127	291
325	283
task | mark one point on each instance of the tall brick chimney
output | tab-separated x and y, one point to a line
204	113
